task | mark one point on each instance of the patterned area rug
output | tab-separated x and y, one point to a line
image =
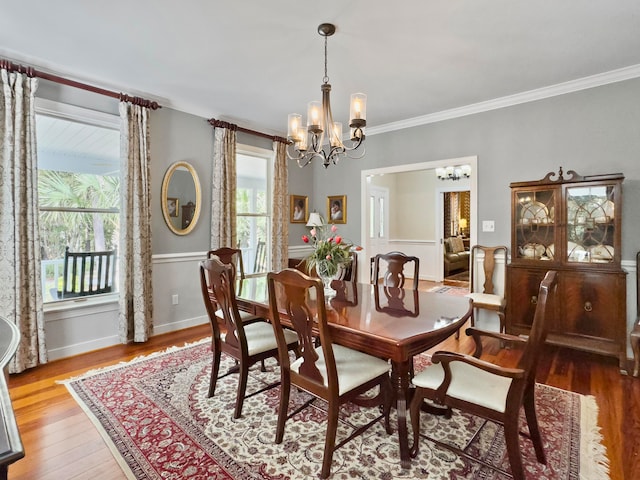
155	416
450	290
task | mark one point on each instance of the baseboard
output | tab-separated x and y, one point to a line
83	347
182	324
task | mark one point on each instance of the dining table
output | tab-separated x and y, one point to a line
390	323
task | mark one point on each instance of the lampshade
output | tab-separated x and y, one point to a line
315	220
463	223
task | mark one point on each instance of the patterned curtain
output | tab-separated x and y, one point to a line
136	291
280	218
223	187
21	292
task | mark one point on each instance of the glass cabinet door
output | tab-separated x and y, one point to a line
590	224
535	221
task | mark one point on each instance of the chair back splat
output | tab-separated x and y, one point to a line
230	256
468	383
394	274
328	371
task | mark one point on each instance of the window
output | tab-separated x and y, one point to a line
253	208
78	188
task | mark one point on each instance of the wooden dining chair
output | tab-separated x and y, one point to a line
394	274
233	257
329	371
230	256
470	384
246	342
482	290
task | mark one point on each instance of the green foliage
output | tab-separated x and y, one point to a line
329	250
81	231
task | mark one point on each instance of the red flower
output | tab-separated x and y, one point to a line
338	239
305	239
330	239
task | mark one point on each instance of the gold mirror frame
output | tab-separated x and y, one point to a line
164	198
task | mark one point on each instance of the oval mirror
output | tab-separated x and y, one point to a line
180	198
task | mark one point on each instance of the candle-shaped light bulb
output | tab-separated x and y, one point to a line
358	110
314	116
295	126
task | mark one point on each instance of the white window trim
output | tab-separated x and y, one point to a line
74	113
269	155
77	114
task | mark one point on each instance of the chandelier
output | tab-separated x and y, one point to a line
453	173
307	142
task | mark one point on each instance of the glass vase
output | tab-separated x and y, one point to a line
326	271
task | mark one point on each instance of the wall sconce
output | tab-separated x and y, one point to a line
453	172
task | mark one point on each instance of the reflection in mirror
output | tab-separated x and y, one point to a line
180	198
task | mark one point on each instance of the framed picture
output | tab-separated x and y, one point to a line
172	206
337	209
299	208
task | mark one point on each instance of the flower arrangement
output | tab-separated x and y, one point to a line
330	250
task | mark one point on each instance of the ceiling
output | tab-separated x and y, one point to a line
254	61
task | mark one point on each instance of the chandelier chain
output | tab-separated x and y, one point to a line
326	77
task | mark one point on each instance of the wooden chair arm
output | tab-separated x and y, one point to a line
503	337
448	357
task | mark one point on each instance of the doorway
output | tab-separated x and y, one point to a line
427	201
456	225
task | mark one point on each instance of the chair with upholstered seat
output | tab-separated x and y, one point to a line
329	371
483	290
246	342
470	384
394	274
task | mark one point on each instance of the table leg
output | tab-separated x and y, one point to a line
400	378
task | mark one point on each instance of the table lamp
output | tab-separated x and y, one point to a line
315	220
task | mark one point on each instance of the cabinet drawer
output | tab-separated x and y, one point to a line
524	285
591	305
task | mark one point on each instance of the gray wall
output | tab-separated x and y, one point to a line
592	132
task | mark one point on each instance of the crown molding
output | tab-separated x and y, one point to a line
614	76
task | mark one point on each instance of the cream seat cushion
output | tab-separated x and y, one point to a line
487	299
260	337
244	316
354	368
468	383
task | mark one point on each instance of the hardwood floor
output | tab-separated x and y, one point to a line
61	442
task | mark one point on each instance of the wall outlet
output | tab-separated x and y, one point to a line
488	226
174	299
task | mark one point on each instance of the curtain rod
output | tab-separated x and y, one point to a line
32	72
232	126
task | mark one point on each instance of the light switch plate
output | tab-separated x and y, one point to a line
488	226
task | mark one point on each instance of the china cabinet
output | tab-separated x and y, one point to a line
570	224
